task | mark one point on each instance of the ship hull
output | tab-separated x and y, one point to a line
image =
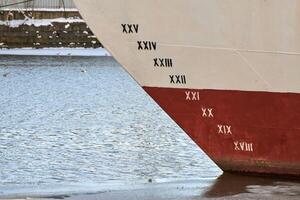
251	132
227	72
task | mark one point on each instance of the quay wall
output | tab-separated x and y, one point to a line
45	29
37	4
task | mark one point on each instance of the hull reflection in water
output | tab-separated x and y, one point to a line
232	184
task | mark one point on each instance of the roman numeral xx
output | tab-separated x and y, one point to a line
207	113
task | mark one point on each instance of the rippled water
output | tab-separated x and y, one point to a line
84	121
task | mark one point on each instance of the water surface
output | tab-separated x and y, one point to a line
79	122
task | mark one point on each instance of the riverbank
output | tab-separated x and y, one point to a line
226	187
45	29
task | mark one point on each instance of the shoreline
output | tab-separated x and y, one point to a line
54	52
225	187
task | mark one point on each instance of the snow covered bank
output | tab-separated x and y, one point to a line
45	29
56	52
39	22
41	9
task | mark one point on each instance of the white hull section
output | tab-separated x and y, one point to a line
248	45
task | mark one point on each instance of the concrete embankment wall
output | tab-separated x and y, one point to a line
45	29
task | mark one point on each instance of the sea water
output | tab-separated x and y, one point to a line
71	123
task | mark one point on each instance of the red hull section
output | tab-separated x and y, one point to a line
255	132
